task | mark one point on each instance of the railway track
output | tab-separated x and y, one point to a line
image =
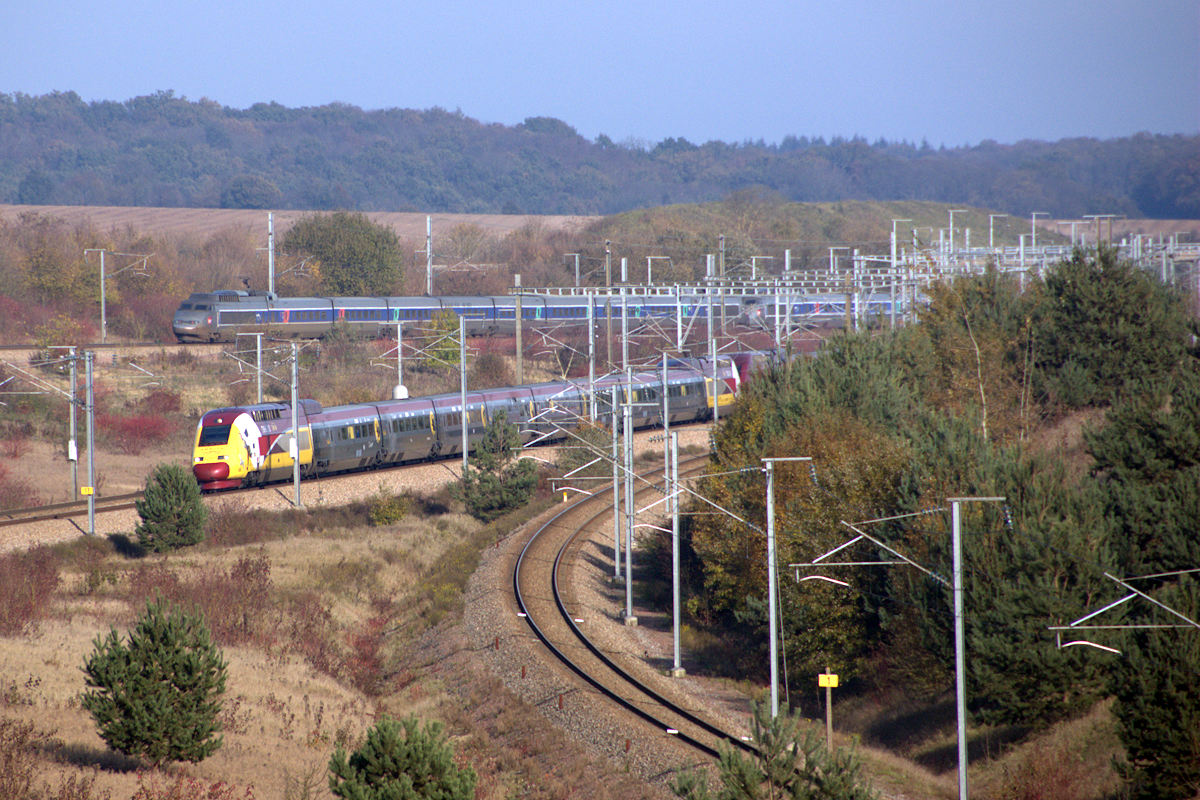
74	508
544	597
122	502
112	352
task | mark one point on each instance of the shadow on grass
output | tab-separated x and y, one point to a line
126	547
982	744
906	730
85	755
434	506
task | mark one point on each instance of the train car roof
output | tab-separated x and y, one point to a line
302	302
562	300
506	393
412	405
359	302
308	406
414	302
247	304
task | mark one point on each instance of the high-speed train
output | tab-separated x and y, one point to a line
221	316
248	445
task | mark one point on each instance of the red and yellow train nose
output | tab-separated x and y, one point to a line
220	460
210	472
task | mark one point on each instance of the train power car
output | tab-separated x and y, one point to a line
258	444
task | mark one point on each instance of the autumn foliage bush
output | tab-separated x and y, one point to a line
152	787
133	434
27	580
15	446
240	610
21	744
162	402
16	492
233	601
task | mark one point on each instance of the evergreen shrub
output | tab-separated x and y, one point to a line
171	510
401	760
158	695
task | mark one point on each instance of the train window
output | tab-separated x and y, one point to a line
211	435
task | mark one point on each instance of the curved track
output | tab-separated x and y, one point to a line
541	598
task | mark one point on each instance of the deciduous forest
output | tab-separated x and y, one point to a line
164	150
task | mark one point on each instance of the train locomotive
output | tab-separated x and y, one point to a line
255	444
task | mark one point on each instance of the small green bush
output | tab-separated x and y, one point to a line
385	508
496	482
171	510
401	760
791	761
158	696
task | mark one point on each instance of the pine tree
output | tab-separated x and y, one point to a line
1148	462
493	482
158	696
1044	568
172	512
790	762
400	761
1158	703
1148	465
1103	328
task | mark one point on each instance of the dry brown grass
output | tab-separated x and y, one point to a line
210	221
284	710
280	713
324	621
1072	761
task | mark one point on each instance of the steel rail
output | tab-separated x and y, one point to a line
621	674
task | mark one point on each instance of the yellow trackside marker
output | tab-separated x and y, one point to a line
827	681
86	490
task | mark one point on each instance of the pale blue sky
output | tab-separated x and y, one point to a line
952	73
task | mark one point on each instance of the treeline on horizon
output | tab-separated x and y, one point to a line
164	150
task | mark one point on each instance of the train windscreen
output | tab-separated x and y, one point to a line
213	435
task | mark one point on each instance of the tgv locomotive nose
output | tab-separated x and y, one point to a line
212	471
